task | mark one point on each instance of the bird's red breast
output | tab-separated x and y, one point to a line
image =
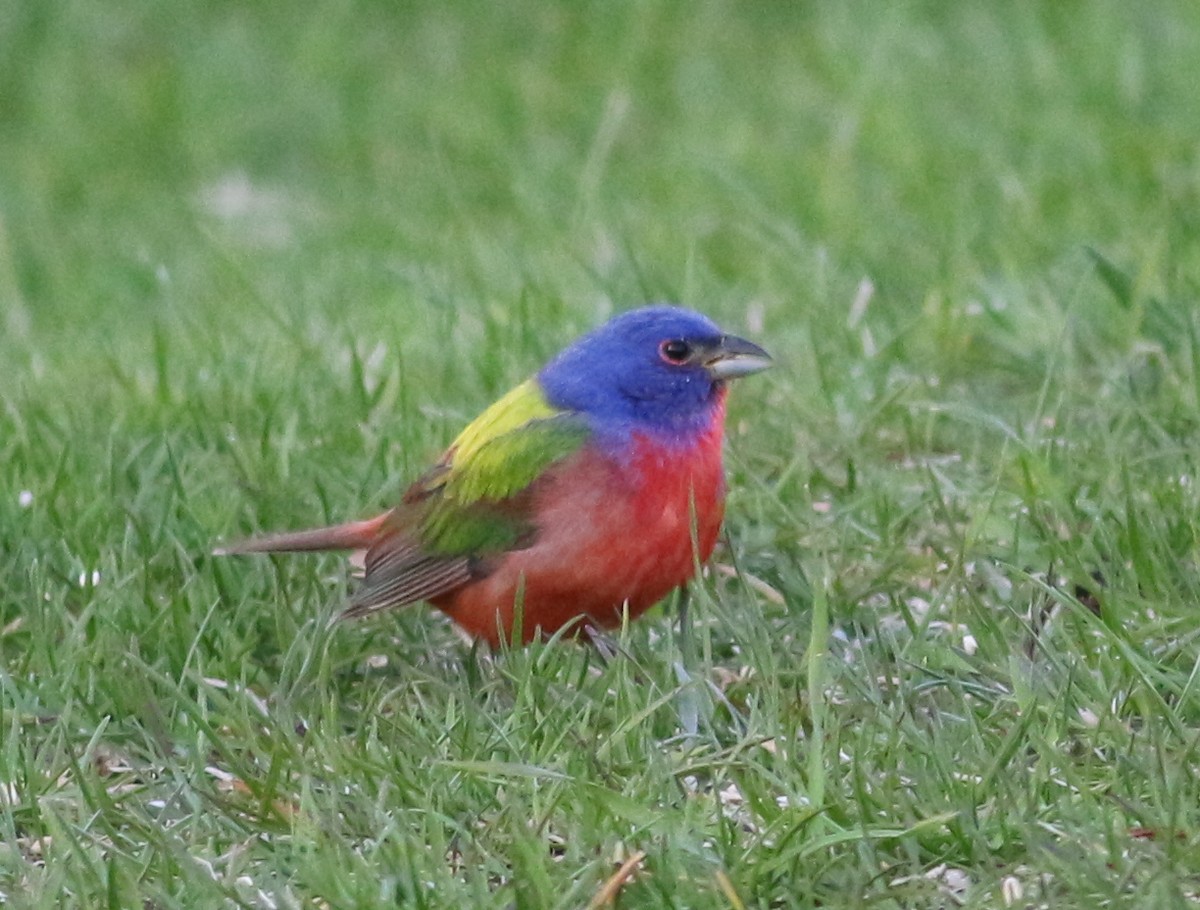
613	533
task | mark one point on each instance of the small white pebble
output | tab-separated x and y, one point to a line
956	881
1011	890
25	499
35	846
731	796
919	606
1089	718
377	661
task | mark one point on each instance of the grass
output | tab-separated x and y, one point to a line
258	265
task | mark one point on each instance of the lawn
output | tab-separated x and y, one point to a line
259	263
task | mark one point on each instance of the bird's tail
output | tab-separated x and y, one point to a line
353	535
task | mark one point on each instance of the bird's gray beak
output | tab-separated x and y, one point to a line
732	357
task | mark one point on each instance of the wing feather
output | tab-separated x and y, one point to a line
419	579
474	505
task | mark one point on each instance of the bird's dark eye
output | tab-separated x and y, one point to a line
675	350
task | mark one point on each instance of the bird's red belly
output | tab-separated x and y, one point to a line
609	536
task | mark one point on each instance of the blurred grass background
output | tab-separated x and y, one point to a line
259	263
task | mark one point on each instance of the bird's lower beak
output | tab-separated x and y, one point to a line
733	357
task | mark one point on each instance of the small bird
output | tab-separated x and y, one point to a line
593	488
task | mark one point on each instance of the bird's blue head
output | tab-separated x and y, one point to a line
657	370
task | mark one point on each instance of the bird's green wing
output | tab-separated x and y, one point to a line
475	501
474	504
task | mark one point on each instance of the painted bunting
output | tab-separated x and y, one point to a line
594	487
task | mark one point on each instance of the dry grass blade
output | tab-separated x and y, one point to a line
607	895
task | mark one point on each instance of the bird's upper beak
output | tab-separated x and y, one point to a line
732	357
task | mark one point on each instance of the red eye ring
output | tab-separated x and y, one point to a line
675	351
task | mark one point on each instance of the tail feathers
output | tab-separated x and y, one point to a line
353	535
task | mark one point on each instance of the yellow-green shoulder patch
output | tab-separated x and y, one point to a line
497	457
520	406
